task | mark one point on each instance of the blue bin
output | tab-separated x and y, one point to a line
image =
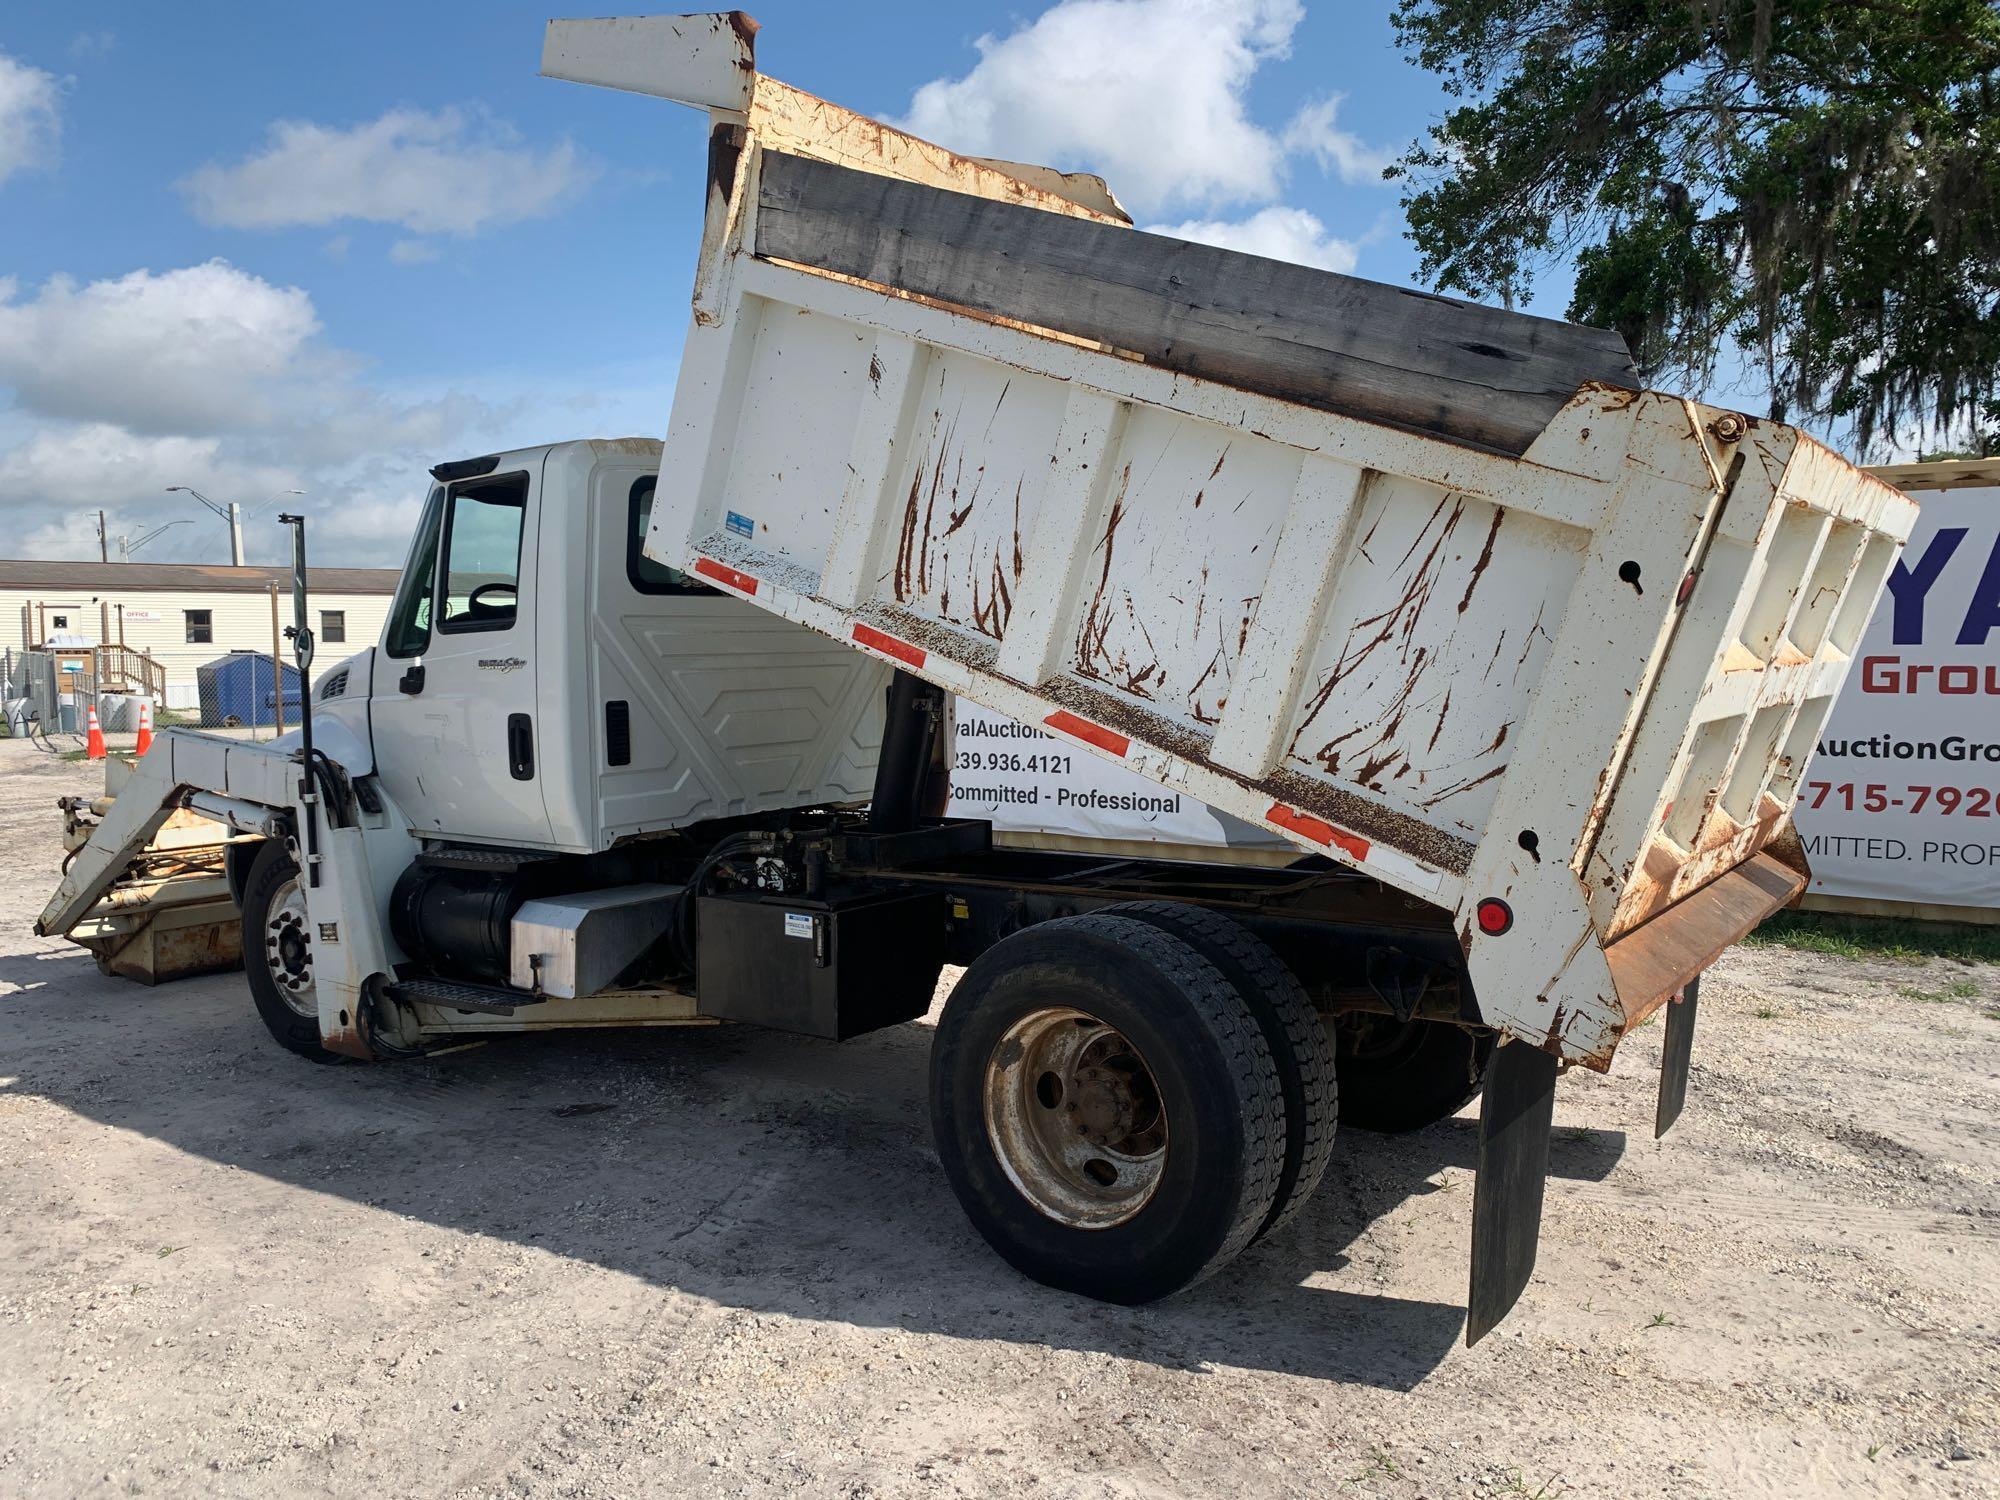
240	689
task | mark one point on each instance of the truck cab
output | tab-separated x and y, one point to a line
542	684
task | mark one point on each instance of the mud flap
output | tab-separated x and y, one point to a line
1675	1055
1514	1119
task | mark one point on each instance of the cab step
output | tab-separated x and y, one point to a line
452	995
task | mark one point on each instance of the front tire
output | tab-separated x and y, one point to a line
278	956
1106	1108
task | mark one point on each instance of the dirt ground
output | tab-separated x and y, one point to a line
726	1262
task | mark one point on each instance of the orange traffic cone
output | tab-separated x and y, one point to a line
93	745
145	742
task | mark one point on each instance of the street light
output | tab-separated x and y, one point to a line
127	545
232	513
273	500
228	513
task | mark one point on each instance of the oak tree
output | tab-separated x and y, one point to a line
1804	186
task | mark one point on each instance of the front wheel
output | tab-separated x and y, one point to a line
278	953
1106	1109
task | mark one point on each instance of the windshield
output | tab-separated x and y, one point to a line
410	620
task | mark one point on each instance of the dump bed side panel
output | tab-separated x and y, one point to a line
1345	644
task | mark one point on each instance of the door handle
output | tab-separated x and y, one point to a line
521	747
413	680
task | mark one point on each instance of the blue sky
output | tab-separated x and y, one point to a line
251	248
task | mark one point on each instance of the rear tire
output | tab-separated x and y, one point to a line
277	954
1399	1076
1292	1030
1106	1108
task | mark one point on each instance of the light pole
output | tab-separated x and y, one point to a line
127	545
232	513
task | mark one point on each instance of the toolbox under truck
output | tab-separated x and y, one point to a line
1525	660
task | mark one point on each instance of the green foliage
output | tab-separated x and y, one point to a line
1813	183
1896	939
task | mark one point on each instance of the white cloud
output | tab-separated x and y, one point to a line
92	43
212	377
1313	132
183	351
100	418
454	171
414	252
30	127
1150	93
1277	232
101	458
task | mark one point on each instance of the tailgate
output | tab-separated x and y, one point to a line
1778	598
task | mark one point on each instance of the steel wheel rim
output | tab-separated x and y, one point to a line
288	950
1075	1118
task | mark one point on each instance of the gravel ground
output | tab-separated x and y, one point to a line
725	1262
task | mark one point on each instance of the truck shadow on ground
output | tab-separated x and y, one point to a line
767	1172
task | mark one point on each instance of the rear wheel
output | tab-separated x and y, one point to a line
1106	1108
1292	1030
278	953
1398	1076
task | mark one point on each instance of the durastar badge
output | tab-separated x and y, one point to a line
500	663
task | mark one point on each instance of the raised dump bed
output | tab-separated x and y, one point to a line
1428	588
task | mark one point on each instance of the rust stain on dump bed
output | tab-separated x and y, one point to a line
1485	557
1332	804
1176	643
1094	658
991	614
1396	741
940	543
1394	628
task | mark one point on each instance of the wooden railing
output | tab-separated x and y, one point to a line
121	669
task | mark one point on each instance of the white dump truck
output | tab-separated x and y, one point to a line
1527	663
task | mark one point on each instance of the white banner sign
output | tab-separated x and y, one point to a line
1028	781
1902	802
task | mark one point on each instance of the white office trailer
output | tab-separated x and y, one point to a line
181	615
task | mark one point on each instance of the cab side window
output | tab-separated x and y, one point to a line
648	576
482	554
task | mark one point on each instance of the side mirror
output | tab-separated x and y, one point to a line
413	679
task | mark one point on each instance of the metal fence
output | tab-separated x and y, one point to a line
44	698
241	691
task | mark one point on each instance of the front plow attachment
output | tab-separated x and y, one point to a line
168	913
